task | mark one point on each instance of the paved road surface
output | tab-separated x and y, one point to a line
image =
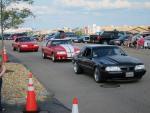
59	78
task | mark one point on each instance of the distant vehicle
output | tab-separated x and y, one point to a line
105	62
86	39
105	36
64	35
48	37
70	35
123	36
78	39
94	38
25	44
16	35
147	42
138	36
59	49
7	36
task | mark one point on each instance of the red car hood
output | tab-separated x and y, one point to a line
66	47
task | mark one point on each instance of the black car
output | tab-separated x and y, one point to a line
108	62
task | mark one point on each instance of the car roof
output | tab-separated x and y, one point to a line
100	45
23	37
58	39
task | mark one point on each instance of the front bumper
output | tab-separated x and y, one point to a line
123	75
29	48
62	57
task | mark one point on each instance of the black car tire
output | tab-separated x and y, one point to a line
44	55
14	49
76	68
97	76
19	49
53	57
36	50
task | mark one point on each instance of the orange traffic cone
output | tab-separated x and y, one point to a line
75	106
5	57
31	104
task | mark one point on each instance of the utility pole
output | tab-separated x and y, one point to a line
2	28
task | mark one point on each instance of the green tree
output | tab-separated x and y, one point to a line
13	15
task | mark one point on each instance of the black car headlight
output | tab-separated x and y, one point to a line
112	68
139	67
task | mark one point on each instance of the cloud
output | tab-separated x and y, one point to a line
19	6
104	4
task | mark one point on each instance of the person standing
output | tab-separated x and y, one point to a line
2	71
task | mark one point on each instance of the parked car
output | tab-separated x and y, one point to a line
86	39
107	62
25	44
147	42
48	37
16	35
105	36
59	49
78	39
123	36
70	35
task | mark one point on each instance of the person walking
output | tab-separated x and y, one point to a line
2	71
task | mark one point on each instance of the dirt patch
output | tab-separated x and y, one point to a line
15	82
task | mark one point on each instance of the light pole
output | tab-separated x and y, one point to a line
2	28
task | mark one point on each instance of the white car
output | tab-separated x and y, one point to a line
147	42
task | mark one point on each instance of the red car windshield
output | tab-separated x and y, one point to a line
58	42
25	39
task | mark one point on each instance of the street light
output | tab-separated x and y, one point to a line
2	28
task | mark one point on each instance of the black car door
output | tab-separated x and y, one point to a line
86	60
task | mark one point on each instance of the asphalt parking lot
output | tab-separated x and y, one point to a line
60	79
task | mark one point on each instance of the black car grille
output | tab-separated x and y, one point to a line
127	68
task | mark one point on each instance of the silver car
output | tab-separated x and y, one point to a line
147	42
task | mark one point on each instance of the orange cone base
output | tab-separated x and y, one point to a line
38	111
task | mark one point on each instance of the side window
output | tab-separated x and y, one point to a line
87	52
82	52
16	40
48	44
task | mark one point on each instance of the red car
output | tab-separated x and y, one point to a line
59	49
25	44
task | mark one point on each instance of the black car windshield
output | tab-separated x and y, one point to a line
58	42
25	39
107	51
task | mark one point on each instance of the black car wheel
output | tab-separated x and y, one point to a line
14	49
97	75
19	49
76	68
43	55
53	58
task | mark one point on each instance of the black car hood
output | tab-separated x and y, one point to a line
118	60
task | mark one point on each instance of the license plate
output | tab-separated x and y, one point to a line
129	74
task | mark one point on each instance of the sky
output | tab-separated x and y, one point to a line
50	14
